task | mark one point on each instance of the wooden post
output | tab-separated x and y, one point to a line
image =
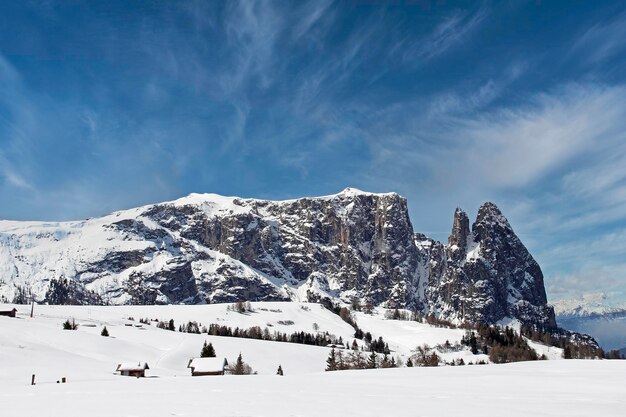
32	309
63	380
32	380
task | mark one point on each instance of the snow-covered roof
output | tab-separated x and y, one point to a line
132	366
207	364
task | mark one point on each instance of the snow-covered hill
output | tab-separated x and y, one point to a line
206	248
40	346
168	352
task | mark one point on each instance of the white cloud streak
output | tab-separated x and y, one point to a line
452	31
603	40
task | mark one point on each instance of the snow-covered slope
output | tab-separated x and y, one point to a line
167	352
39	346
206	248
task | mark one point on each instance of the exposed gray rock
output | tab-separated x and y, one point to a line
208	248
488	275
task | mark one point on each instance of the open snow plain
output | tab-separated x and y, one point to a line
39	346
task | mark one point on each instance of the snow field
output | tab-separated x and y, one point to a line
39	345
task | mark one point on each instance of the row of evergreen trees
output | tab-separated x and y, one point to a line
338	361
255	332
373	345
575	346
502	345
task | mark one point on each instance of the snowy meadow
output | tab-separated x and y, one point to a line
40	346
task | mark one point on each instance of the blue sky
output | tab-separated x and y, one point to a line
109	106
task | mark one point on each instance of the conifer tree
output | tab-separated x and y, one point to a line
473	344
239	367
409	363
207	351
279	371
341	365
104	332
385	363
331	362
371	361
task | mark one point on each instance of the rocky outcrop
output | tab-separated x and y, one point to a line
209	248
487	275
459	238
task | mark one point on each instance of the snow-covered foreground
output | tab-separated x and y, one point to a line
39	346
547	388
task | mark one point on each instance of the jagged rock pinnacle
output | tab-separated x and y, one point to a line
460	230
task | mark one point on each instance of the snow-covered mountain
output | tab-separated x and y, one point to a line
588	305
592	314
206	248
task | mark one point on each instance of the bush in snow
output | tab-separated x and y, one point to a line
240	307
70	325
425	356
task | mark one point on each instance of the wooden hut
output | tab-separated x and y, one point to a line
8	313
207	366
137	369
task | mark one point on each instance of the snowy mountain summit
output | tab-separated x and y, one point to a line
588	305
207	248
594	314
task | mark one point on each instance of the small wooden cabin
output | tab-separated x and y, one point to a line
8	313
207	366
137	369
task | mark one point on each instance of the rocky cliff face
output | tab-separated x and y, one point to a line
486	275
209	248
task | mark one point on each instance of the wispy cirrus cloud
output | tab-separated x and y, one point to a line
603	40
252	28
12	177
15	114
452	31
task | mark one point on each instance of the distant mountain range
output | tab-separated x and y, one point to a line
592	314
207	248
